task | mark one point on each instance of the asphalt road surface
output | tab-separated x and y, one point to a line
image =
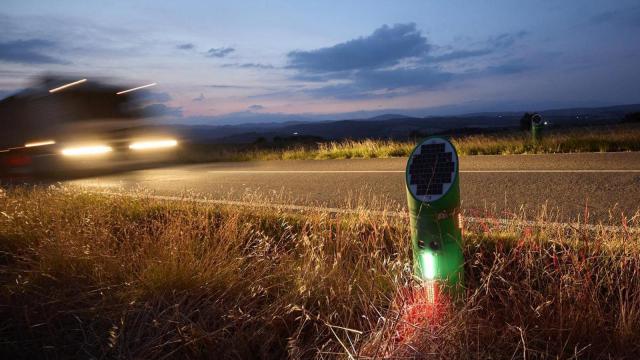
567	187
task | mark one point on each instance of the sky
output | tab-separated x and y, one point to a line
217	61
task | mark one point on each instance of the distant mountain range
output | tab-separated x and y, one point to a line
397	126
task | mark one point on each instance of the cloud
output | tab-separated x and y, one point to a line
393	61
187	46
378	65
255	108
199	98
220	52
163	110
384	47
28	52
249	66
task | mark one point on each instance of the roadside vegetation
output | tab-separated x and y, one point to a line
624	137
92	276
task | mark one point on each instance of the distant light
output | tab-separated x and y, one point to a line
153	144
39	143
135	88
295	133
545	123
67	85
86	150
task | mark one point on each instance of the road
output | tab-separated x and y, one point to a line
568	186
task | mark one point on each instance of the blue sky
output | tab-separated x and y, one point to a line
214	59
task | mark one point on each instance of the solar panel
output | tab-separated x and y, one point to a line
431	169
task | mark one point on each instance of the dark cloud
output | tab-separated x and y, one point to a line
372	66
220	52
248	66
255	108
187	46
392	61
385	47
163	110
28	52
199	98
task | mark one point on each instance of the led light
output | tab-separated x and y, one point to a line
67	85
428	265
153	144
135	88
39	143
87	150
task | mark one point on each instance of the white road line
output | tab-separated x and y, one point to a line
578	171
398	214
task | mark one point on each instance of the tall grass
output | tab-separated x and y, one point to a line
92	276
595	139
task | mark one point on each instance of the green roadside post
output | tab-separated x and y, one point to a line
536	128
433	193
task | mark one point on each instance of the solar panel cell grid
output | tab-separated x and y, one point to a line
431	169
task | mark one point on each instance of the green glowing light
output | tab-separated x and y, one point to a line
428	265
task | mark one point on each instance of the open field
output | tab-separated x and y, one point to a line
594	139
86	275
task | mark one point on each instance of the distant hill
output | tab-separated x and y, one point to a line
389	128
397	126
388	117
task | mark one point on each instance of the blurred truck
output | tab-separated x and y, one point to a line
61	126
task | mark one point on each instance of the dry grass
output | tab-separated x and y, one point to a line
596	139
91	276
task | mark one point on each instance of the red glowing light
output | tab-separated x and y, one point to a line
420	308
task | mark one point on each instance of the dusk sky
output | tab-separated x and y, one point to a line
215	58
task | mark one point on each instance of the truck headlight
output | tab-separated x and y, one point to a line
86	150
153	144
